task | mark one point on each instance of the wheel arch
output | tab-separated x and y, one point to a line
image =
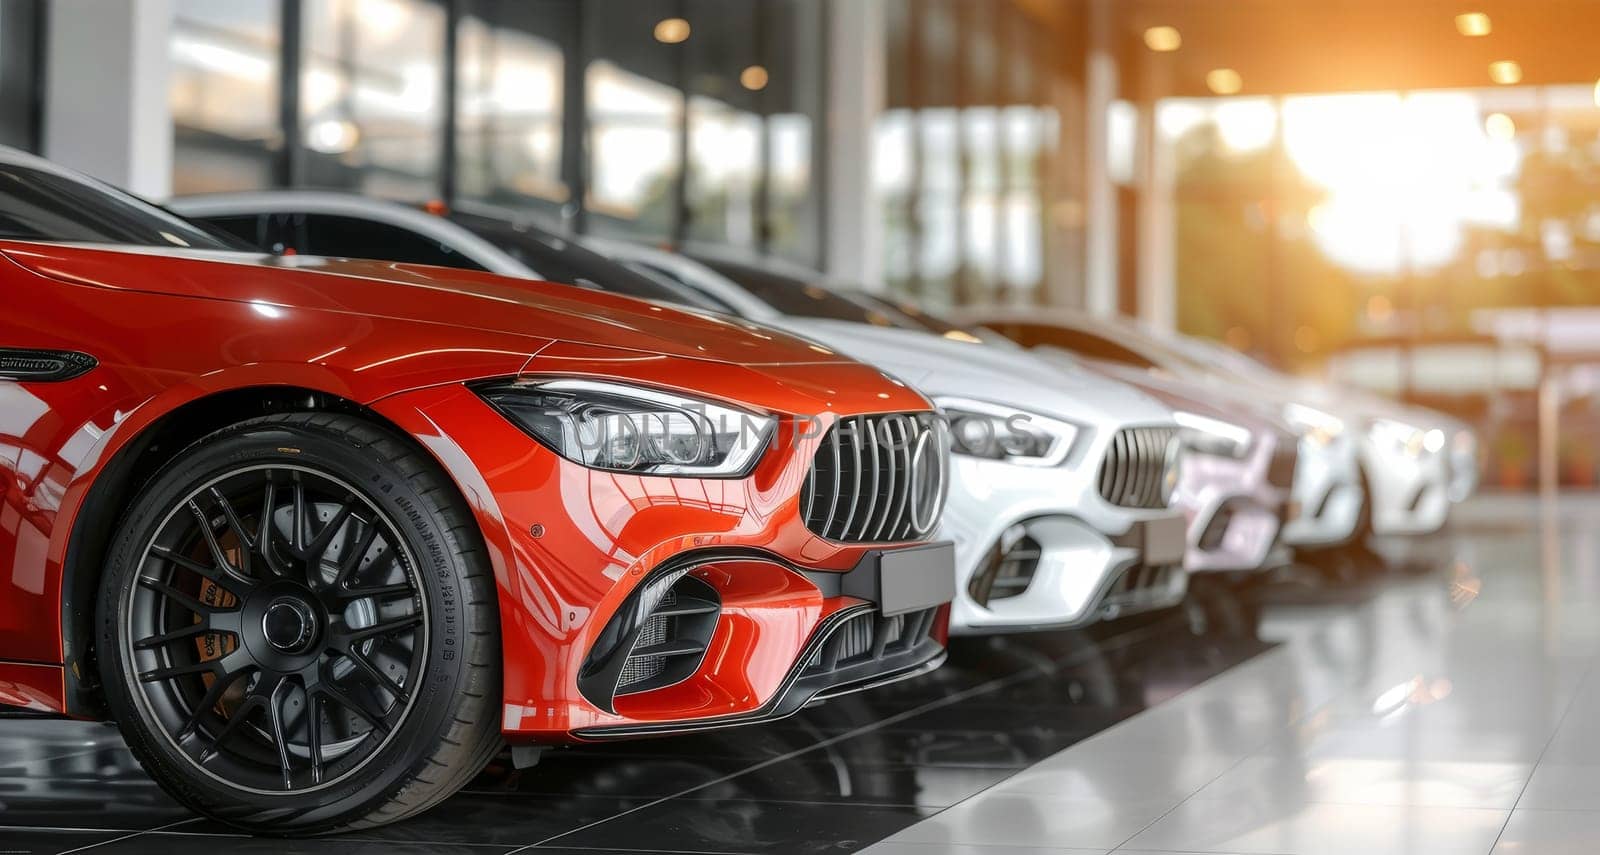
129	468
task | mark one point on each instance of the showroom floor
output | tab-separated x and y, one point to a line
1441	711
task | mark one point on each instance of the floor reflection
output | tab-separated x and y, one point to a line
992	727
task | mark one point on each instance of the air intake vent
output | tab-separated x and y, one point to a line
878	479
1135	470
1280	471
1008	569
869	636
656	639
44	366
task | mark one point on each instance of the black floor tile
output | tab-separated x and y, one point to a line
41	841
205	844
739	825
829	776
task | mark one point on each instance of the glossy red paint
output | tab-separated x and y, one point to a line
171	328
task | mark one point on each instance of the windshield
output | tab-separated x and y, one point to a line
560	260
45	205
795	296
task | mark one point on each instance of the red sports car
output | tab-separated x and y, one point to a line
321	535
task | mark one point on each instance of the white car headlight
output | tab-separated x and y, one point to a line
981	429
1206	435
622	428
1315	426
1409	440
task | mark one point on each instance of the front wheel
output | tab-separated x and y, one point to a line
297	628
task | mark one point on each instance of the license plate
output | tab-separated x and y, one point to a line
917	578
1165	540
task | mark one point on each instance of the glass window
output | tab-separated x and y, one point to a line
36	204
249	228
560	260
224	94
371	93
634	150
795	296
1079	342
724	162
793	103
352	237
19	71
512	73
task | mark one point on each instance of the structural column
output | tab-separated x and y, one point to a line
1157	240
857	92
105	110
1100	193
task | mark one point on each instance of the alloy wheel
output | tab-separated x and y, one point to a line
276	628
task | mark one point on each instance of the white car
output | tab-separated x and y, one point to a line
1060	518
1328	492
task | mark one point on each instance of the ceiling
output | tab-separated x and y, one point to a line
1304	46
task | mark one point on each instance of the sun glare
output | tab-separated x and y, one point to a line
1402	175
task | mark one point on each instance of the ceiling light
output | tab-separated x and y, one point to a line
1597	93
1224	81
1505	72
1499	127
753	78
1163	39
1473	24
671	31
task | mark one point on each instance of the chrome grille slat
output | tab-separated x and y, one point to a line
855	486
833	494
871	426
1134	468
894	464
862	493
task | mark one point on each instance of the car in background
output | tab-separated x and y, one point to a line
1058	519
320	536
1238	468
1368	464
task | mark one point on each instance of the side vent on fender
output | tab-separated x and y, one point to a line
43	366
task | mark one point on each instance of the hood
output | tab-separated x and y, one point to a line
1013	378
1246	408
427	295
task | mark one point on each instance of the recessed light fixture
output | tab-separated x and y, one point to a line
1163	39
1224	81
753	78
1473	24
1500	127
671	31
1505	72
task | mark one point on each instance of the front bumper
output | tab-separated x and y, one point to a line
572	546
1327	496
860	644
1235	509
1409	494
1093	560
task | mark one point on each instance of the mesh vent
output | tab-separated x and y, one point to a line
1134	472
878	479
869	636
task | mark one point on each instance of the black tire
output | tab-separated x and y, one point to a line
300	600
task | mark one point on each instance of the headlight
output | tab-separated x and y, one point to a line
622	428
1315	426
979	429
1207	435
1407	439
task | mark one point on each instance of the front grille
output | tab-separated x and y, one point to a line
1280	470
867	637
878	479
1134	471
